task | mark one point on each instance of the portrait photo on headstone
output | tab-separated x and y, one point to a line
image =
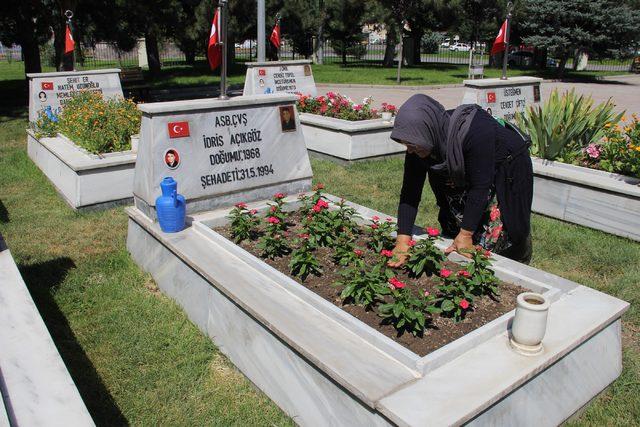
287	119
172	158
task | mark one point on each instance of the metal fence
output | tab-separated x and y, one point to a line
104	55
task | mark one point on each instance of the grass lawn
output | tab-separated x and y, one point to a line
138	360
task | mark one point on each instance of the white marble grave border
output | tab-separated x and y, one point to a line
86	181
349	140
36	387
323	366
596	199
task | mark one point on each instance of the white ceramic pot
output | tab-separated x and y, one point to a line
530	323
386	116
135	139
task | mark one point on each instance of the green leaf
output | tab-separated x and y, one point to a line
447	305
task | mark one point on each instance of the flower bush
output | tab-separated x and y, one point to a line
361	253
95	124
340	107
617	151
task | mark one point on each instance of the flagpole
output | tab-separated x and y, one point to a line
505	56
69	15
222	17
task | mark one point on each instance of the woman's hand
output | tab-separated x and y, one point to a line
400	251
462	244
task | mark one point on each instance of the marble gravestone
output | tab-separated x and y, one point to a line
503	98
55	89
279	77
221	152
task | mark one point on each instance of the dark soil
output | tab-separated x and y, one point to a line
439	332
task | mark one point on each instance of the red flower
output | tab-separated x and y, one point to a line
374	226
464	304
358	252
495	213
322	204
444	273
278	196
323	108
316	208
375	218
303	236
388	219
273	209
464	273
412	243
273	220
253	211
433	232
386	253
396	284
241	205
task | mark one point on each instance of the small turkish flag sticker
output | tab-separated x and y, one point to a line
491	97
47	85
178	129
262	72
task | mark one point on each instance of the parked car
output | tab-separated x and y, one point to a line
520	58
446	43
460	47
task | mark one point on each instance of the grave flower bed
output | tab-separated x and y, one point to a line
86	151
423	306
335	126
93	123
586	163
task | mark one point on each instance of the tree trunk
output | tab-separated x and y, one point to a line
31	54
562	65
344	53
153	55
390	49
190	55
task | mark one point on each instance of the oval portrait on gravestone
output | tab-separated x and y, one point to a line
287	119
172	158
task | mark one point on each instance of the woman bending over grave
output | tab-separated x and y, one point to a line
479	170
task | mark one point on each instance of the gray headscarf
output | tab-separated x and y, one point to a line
424	122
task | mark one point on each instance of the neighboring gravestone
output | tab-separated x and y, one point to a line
279	77
221	152
55	89
502	98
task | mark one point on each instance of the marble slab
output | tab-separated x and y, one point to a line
221	148
349	140
595	199
503	98
85	181
53	90
276	77
36	387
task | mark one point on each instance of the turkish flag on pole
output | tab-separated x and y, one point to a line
275	35
214	51
501	41
69	44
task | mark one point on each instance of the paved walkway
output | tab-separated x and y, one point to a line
624	90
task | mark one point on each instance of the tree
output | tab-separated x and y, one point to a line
344	24
566	26
26	23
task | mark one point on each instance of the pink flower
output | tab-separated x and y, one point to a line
396	284
464	304
444	273
322	204
433	232
495	233
241	205
386	253
357	107
273	209
495	213
316	208
374	226
412	243
464	273
427	293
253	211
388	219
278	196
487	254
323	108
303	236
358	252
273	220
375	218
593	151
